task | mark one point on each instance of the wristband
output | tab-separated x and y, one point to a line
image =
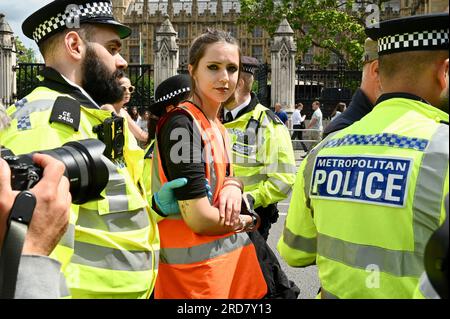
156	208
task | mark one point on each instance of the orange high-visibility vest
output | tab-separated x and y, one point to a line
199	266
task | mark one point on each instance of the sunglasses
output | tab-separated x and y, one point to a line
129	88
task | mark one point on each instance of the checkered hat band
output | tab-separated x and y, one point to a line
423	39
69	17
248	69
173	94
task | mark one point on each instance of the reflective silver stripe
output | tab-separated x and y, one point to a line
426	288
156	181
253	179
294	241
110	258
282	187
68	239
116	190
395	262
327	295
282	168
245	163
205	251
271	168
115	222
31	107
156	260
429	188
63	289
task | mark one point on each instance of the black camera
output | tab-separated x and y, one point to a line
85	169
110	132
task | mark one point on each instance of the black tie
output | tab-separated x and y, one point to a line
228	117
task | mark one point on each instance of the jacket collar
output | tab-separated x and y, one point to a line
55	81
402	95
250	107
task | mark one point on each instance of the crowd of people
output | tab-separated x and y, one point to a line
186	214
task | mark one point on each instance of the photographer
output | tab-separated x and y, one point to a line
39	276
110	249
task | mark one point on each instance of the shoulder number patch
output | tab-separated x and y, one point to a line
374	180
66	111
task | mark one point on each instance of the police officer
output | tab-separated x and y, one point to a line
263	157
109	249
367	199
365	96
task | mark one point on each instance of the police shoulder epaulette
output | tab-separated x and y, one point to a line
273	117
66	111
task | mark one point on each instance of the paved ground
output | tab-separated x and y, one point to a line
305	278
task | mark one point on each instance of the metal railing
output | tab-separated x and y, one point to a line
297	144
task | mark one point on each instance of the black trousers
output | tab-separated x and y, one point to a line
298	135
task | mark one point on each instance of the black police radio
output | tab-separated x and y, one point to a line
110	132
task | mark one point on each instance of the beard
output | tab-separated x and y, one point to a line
100	83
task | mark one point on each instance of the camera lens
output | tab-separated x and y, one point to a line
85	168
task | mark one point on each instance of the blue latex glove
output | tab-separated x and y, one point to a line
165	198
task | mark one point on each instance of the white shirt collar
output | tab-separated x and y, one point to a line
81	89
237	109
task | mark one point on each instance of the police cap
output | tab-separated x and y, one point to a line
421	32
249	64
171	91
65	14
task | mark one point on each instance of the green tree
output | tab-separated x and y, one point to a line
24	54
332	25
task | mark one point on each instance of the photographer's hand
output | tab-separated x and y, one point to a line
51	215
7	196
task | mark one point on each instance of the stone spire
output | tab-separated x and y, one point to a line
170	9
166	52
283	50
7	62
219	8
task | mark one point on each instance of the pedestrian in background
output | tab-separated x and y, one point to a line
316	124
280	113
338	110
298	122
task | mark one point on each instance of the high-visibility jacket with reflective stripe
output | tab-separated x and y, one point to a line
107	250
147	182
264	162
367	199
199	266
425	289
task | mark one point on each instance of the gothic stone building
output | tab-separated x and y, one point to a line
189	19
192	17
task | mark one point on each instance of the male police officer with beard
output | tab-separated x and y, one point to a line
367	199
109	248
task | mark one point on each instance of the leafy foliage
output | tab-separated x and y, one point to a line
24	54
332	25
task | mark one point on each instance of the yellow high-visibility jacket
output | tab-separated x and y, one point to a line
107	251
367	199
263	157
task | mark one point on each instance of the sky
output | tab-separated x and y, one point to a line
16	11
